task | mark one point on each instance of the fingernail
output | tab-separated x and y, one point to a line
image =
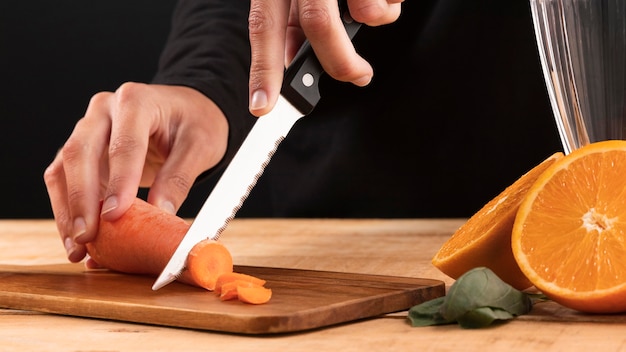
168	207
258	100
363	81
80	227
109	204
92	264
69	245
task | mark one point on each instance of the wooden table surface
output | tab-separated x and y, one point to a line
371	246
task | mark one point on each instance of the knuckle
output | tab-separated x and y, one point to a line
258	21
129	92
51	177
64	222
72	149
393	14
180	182
369	12
52	173
375	13
342	71
100	99
75	195
122	145
258	76
114	183
314	19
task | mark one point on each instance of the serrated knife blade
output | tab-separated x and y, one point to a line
299	95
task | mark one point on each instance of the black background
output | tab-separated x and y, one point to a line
54	55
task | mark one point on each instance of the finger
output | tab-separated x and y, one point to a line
382	13
81	156
375	12
177	175
321	22
198	145
294	36
54	178
267	22
128	145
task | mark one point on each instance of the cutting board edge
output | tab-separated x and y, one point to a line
400	296
259	325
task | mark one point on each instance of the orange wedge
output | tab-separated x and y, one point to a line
569	236
485	239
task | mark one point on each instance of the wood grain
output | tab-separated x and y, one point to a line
390	247
302	299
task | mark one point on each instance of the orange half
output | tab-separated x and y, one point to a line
569	236
485	239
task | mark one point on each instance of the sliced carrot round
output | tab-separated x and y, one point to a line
229	291
236	277
254	294
207	261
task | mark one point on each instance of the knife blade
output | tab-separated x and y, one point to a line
299	96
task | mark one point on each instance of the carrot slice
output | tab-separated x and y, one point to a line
229	291
254	294
236	277
207	261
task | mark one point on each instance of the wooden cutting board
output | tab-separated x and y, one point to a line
301	300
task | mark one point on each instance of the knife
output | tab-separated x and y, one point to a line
299	95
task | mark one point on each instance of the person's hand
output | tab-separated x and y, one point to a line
142	135
279	27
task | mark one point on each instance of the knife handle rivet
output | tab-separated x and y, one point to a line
308	79
347	18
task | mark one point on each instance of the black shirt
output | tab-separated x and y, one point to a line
457	110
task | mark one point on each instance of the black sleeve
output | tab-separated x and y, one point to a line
208	49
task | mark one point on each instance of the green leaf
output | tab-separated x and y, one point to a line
475	300
427	313
480	287
482	317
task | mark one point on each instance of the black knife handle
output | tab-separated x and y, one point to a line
301	81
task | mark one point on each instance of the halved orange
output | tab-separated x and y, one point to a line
569	237
485	239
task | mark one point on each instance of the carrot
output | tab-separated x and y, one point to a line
229	286
140	242
254	295
143	240
229	291
207	261
236	277
145	237
246	292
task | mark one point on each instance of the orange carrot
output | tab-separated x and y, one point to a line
145	237
207	261
140	242
143	240
236	277
254	295
229	289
